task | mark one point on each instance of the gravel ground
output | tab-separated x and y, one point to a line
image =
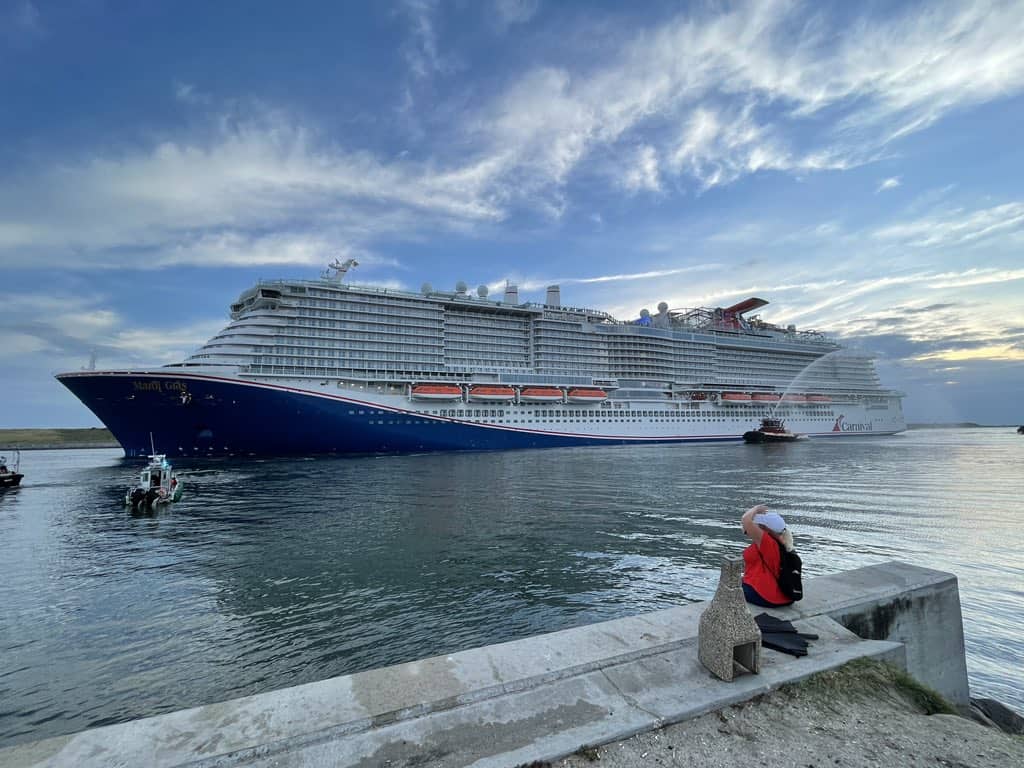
862	716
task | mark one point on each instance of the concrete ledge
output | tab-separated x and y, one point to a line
538	698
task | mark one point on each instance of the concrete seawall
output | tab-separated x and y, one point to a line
542	697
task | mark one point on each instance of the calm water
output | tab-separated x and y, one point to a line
274	573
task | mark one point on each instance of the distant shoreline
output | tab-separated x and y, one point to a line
98	437
48	439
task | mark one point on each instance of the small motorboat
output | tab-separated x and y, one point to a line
158	485
770	431
10	478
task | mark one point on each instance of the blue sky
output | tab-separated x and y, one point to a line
858	165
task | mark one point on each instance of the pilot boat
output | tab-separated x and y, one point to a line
158	485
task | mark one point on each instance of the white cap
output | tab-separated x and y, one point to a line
771	520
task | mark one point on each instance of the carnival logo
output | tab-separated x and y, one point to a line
842	426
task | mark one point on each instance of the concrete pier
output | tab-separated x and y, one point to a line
542	697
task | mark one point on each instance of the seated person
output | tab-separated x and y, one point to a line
761	559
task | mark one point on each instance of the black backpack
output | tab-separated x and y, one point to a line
790	570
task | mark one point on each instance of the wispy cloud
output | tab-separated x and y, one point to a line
743	88
956	226
698	101
532	284
643	175
187	93
421	50
263	182
511	12
718	148
974	277
891	183
66	329
988	352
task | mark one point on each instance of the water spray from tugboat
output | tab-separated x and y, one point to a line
798	378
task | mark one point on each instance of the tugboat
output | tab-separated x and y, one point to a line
770	431
10	478
158	485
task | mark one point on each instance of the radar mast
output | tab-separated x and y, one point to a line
336	270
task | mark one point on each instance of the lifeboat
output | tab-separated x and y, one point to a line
795	399
436	392
540	394
698	395
586	395
819	399
736	398
765	397
493	394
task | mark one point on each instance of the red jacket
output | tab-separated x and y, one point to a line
761	566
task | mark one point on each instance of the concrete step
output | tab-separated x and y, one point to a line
555	719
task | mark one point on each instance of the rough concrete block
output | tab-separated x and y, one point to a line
728	636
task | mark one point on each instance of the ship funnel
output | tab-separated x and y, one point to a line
511	293
554	298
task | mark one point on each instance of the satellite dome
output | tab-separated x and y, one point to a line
663	307
645	313
460	287
482	291
426	288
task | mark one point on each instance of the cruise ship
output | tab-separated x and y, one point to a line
325	366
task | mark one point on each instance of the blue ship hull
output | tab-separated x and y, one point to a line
190	415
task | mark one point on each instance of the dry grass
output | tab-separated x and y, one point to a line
869	680
54	438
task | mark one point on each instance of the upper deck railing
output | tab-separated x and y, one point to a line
694	320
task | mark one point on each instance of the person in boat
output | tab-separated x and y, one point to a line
762	558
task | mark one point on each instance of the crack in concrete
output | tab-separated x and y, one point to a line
630	700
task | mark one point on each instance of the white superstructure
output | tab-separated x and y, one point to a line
397	370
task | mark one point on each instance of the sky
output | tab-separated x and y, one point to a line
858	165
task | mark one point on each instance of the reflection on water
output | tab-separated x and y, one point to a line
273	573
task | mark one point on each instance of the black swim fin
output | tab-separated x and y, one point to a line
785	642
768	623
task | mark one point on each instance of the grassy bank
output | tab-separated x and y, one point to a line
94	437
